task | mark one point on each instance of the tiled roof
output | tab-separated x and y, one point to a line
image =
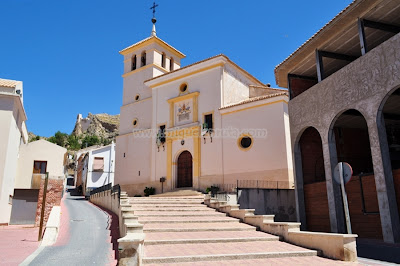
8	83
254	99
148	38
323	28
204	60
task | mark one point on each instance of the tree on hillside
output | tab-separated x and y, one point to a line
59	138
90	140
73	142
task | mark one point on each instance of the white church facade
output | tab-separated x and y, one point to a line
208	123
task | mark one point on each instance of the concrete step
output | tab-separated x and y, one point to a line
167	203
154	238
167	206
180	193
307	260
166	199
179	219
177	209
172	253
180	213
134	228
197	227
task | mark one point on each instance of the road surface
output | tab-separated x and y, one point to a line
84	237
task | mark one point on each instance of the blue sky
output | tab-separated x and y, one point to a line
66	52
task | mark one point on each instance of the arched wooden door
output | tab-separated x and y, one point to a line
185	172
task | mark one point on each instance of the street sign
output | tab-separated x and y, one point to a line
347	173
342	175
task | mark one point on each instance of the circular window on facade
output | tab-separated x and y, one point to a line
245	142
137	97
134	122
183	87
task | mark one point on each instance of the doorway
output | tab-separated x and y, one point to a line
185	170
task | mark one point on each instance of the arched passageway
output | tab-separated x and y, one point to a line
351	136
391	117
314	184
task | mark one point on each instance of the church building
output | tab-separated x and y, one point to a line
208	123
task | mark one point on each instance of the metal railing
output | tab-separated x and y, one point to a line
100	189
114	189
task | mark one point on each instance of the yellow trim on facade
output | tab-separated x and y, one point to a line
196	156
181	133
143	68
251	107
169	159
172	102
181	92
178	134
240	139
187	74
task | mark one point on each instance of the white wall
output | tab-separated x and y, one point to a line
40	150
98	179
10	139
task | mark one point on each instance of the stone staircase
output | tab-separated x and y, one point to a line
181	230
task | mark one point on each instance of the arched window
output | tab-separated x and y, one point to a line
163	58
133	62
143	59
171	64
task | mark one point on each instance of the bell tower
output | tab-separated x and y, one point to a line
144	60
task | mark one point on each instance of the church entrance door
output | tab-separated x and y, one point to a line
185	172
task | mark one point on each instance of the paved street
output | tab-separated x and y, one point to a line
84	236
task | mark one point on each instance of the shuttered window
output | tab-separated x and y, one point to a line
98	164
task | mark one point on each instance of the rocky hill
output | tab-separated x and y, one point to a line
104	126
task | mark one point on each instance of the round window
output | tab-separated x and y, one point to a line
245	142
137	97
134	122
183	87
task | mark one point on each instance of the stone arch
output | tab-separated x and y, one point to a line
349	141
388	125
313	208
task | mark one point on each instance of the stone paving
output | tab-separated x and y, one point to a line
183	231
17	242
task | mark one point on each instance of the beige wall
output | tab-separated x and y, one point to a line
269	157
40	150
10	139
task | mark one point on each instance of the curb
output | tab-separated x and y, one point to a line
50	234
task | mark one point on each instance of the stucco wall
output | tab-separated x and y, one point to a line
362	85
280	202
10	138
269	156
97	179
40	150
235	87
137	158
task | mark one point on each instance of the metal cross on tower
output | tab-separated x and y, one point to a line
154	8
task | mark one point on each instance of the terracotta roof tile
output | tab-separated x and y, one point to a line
259	98
8	83
207	59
